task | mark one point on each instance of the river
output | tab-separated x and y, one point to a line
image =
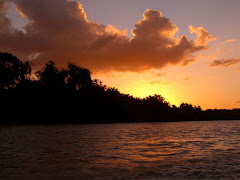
174	150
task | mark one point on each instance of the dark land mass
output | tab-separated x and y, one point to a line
71	96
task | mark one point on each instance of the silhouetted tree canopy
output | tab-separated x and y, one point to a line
13	71
78	77
50	76
74	77
71	96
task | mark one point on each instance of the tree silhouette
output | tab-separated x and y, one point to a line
71	96
13	71
78	77
74	77
51	77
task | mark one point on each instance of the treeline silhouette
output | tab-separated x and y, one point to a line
54	96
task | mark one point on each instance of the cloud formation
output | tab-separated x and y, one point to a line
4	22
59	30
225	62
230	40
188	78
159	82
203	36
160	74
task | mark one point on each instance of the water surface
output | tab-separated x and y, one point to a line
179	150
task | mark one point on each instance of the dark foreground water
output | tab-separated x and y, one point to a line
181	150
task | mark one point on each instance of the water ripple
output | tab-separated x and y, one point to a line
181	150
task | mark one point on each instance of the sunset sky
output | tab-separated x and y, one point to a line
187	51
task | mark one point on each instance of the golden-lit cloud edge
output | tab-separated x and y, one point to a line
203	37
59	30
230	40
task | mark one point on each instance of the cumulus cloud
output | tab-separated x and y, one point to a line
225	62
203	36
59	30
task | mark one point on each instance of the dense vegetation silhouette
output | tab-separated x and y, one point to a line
70	95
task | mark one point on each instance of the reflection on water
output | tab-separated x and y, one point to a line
181	150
